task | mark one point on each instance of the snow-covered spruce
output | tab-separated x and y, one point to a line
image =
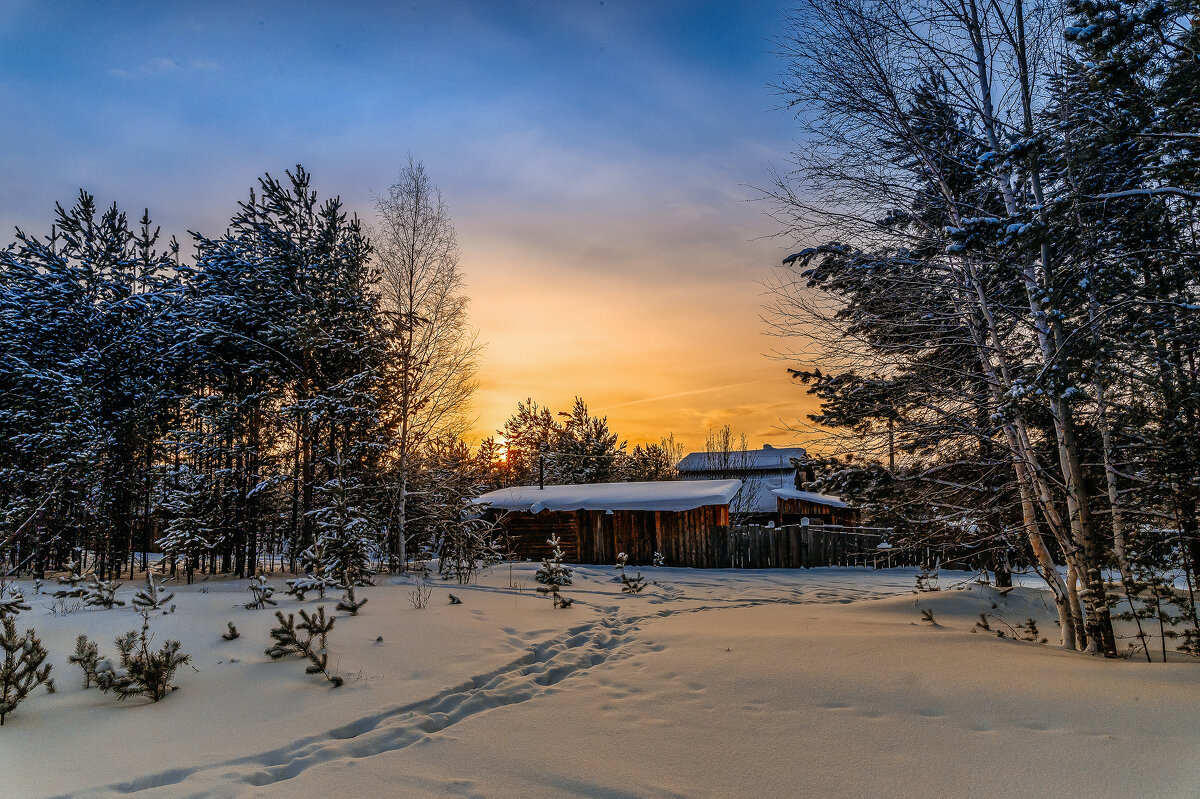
349	604
141	670
346	535
443	517
187	505
12	602
103	594
71	584
260	592
23	668
553	571
300	587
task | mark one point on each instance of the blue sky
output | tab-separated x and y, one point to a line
596	158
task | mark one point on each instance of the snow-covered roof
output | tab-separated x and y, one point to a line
676	495
766	459
756	493
809	496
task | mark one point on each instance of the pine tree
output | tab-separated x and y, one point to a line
349	603
187	503
260	592
528	434
346	536
553	571
444	518
141	672
12	602
86	318
153	597
86	657
586	451
309	639
290	344
22	669
102	594
632	585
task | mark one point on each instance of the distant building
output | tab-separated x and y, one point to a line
760	470
683	520
794	505
771	480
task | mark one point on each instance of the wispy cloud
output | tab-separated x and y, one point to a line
693	392
155	66
163	66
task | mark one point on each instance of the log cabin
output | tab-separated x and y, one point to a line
682	520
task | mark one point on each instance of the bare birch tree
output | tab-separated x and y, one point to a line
432	363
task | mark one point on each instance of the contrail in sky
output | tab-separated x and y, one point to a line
685	393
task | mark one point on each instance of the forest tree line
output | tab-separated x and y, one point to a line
295	393
999	301
297	387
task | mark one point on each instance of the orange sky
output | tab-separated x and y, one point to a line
595	157
660	344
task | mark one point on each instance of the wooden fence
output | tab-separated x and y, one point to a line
806	546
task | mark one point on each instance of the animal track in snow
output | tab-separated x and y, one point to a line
543	666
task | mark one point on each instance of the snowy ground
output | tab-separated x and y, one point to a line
821	683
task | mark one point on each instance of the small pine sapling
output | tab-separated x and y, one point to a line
73	589
103	594
23	667
982	624
660	559
260	592
632	585
309	639
153	597
301	586
349	604
926	579
553	572
552	591
231	633
142	672
1029	632
12	604
74	575
622	559
86	657
927	616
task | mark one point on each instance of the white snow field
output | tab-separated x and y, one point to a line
818	683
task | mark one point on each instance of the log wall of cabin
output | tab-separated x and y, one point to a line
792	510
685	538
